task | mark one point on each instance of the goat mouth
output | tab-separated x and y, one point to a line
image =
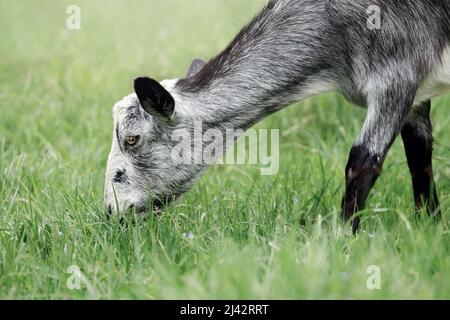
158	206
159	203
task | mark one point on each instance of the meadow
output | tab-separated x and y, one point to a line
253	236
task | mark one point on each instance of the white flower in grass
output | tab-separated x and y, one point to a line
189	235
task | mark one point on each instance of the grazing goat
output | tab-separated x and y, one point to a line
291	50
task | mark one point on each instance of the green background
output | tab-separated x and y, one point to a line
255	237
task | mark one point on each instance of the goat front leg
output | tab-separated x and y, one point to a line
418	142
387	112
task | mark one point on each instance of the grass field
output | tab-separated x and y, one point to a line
254	236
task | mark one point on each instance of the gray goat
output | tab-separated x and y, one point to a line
291	50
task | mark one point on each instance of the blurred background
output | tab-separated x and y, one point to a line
255	237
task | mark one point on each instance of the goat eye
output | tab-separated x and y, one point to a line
132	140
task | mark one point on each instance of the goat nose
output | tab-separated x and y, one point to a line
137	208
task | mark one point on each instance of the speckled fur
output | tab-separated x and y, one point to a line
291	50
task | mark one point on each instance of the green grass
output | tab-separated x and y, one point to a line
255	237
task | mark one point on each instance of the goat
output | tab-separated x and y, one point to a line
291	50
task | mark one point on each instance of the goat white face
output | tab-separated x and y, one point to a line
140	169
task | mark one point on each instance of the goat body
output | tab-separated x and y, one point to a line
294	49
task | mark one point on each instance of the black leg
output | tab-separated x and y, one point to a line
418	141
389	104
361	173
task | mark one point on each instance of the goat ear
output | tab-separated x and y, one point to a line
155	100
195	67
